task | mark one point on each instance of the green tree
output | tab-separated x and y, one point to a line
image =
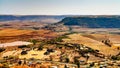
23	52
76	61
2	49
40	47
67	60
34	41
115	57
65	66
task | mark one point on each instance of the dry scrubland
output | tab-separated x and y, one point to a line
99	37
9	35
94	41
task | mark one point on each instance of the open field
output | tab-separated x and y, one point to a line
95	30
22	24
10	35
113	37
92	42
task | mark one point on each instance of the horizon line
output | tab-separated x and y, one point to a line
62	14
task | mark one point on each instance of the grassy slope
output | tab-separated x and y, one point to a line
77	38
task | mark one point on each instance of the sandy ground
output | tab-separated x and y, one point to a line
33	54
37	54
11	53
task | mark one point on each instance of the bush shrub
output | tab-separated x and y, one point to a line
2	49
23	52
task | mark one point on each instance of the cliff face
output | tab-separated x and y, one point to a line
93	22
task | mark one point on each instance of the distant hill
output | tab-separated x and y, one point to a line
92	21
35	18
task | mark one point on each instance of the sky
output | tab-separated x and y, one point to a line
60	7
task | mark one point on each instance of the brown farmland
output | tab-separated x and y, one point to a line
9	35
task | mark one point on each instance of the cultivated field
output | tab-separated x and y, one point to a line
11	35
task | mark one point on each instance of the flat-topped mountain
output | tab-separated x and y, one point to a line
93	21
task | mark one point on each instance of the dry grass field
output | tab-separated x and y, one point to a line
9	35
99	37
93	42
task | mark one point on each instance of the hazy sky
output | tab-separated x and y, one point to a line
60	7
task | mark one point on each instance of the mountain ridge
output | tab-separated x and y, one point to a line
93	21
35	18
